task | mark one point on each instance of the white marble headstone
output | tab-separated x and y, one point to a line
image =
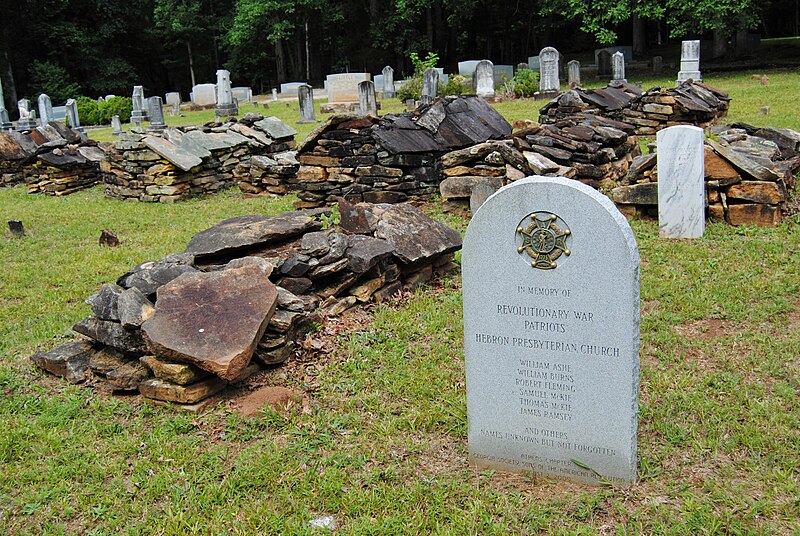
388	83
551	333
618	67
204	94
548	72
343	87
574	73
484	79
681	186
690	62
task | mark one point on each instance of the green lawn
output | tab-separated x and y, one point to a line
381	442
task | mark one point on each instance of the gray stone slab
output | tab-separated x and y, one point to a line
681	190
467	68
483	80
212	143
275	128
173	153
204	94
552	353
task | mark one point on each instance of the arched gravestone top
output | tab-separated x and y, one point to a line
552	352
548	70
484	79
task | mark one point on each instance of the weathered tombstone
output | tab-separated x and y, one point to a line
503	74
388	83
604	63
521	66
59	113
5	124
172	98
627	51
226	106
574	74
16	228
690	62
681	189
290	87
116	125
204	94
242	94
483	80
45	109
274	94
72	115
618	67
534	63
548	79
367	102
552	358
156	112
658	64
137	102
343	87
430	86
27	118
305	96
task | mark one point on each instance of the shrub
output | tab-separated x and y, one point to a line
455	85
525	83
53	80
88	111
121	106
411	90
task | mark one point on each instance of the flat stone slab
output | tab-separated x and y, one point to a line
212	319
275	128
174	154
414	236
68	361
147	276
246	232
181	394
112	334
365	252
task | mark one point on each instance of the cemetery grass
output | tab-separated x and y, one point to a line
380	442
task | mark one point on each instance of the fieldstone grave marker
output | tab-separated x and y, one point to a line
430	85
226	107
483	80
305	96
45	109
574	74
367	102
548	78
603	63
388	83
550	273
658	64
137	100
156	111
618	67
690	62
72	115
681	188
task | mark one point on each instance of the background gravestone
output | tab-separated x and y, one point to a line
574	74
116	125
72	115
27	118
367	102
204	94
388	83
430	85
5	124
467	68
690	62
225	103
618	67
484	79
343	87
552	351
681	188
45	109
137	101
305	96
603	63
155	109
548	78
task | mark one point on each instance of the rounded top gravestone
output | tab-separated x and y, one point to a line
551	333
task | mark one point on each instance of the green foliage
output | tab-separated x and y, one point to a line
53	80
525	83
92	112
411	90
456	85
329	221
420	65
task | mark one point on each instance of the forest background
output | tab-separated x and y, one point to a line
67	48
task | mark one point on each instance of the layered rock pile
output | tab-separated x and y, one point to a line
591	149
51	159
175	163
748	173
183	327
392	158
692	103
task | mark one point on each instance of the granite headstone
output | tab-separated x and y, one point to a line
155	110
681	187
204	94
367	102
137	102
388	83
305	97
430	85
550	272
226	106
27	118
72	115
5	124
343	87
116	125
467	68
604	63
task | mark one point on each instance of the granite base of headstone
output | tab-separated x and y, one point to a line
681	185
550	272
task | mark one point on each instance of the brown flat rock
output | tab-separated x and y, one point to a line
415	237
213	320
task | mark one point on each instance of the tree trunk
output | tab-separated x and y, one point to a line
191	61
12	86
639	35
429	25
280	61
720	44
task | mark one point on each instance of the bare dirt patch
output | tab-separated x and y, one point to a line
707	329
277	397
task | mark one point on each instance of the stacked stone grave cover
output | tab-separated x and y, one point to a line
592	149
392	158
243	295
608	102
690	103
51	159
748	175
176	163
